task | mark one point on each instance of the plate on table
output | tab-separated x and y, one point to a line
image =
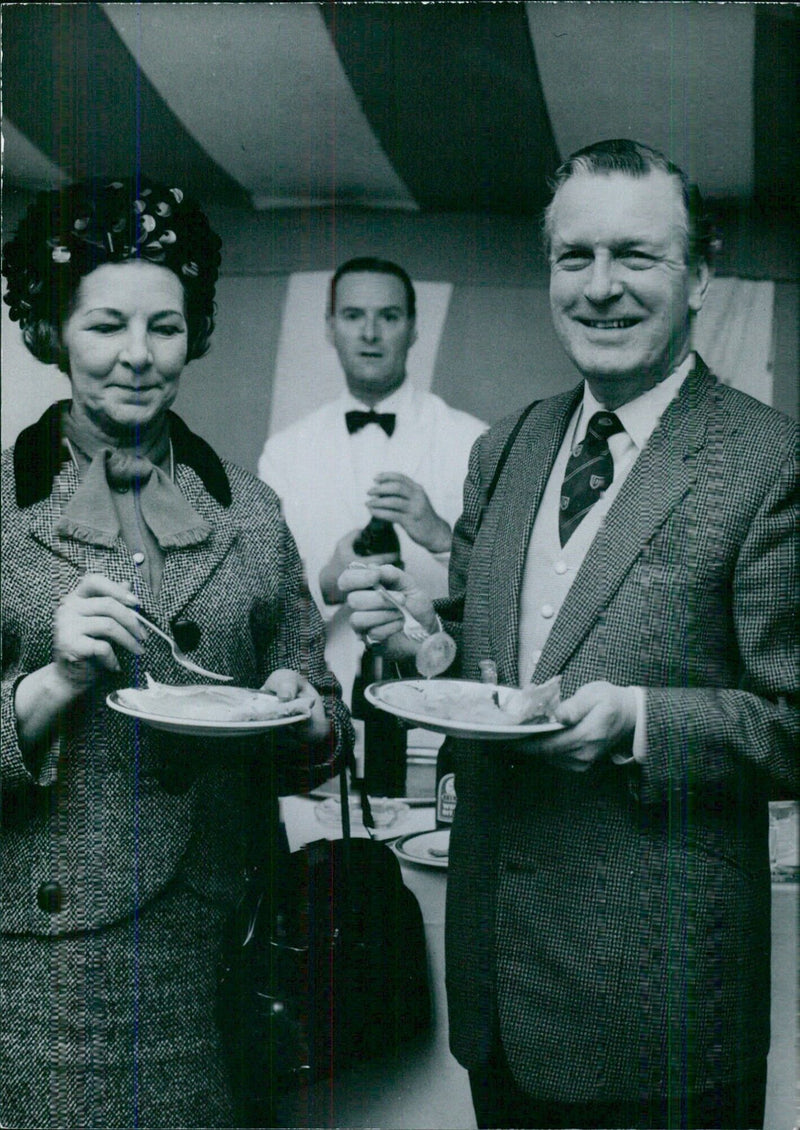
208	711
420	782
386	811
457	707
428	848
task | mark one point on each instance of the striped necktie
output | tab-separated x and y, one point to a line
590	471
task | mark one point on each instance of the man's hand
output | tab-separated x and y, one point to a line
600	719
342	555
378	622
399	499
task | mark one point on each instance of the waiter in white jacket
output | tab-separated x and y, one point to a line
383	448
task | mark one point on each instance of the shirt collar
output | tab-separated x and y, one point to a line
398	401
639	416
38	454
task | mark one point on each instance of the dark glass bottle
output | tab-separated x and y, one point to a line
378	536
384	735
445	786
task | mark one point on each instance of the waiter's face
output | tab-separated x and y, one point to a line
621	288
372	332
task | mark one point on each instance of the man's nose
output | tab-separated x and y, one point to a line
369	327
603	282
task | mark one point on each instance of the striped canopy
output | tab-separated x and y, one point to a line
419	106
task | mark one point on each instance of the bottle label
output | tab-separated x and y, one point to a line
446	798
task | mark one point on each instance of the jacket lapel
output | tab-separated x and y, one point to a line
45	486
658	481
188	569
45	513
517	497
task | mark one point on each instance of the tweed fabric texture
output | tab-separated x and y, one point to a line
115	812
120	1032
617	921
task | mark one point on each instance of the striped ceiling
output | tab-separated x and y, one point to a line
433	106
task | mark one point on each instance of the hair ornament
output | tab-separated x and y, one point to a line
69	232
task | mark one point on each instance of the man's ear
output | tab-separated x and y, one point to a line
329	329
701	276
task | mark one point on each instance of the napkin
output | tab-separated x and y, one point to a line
302	826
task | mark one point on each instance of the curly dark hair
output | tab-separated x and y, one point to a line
67	233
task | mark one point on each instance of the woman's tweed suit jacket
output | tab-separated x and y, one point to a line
112	812
616	923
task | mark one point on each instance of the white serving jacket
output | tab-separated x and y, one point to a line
322	474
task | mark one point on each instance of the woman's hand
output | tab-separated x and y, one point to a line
95	618
286	685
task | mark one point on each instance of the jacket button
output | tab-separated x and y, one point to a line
186	633
50	897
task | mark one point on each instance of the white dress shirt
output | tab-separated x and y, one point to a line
322	475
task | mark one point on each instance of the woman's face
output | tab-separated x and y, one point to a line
126	339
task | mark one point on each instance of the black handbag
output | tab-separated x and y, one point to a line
322	967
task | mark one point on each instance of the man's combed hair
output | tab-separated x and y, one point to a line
620	155
368	264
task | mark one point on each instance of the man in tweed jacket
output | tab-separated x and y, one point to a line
609	890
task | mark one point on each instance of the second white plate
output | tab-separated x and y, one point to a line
428	848
398	697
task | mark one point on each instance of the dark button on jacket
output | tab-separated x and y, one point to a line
186	633
50	897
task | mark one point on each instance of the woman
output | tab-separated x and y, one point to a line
123	846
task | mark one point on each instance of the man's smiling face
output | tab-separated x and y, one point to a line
622	290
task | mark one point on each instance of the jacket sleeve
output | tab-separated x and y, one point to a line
298	643
485	453
34	766
450	609
705	736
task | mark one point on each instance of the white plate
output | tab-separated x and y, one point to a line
428	848
383	695
204	729
385	812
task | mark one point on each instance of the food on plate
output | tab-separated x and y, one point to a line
385	811
209	704
535	703
477	704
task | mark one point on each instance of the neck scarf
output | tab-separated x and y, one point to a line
92	515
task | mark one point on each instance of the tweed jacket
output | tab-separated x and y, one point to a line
615	923
113	811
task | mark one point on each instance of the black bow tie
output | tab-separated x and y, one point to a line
356	420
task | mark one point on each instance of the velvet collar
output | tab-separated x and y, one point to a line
38	457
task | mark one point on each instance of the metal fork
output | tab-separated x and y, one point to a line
412	628
178	655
